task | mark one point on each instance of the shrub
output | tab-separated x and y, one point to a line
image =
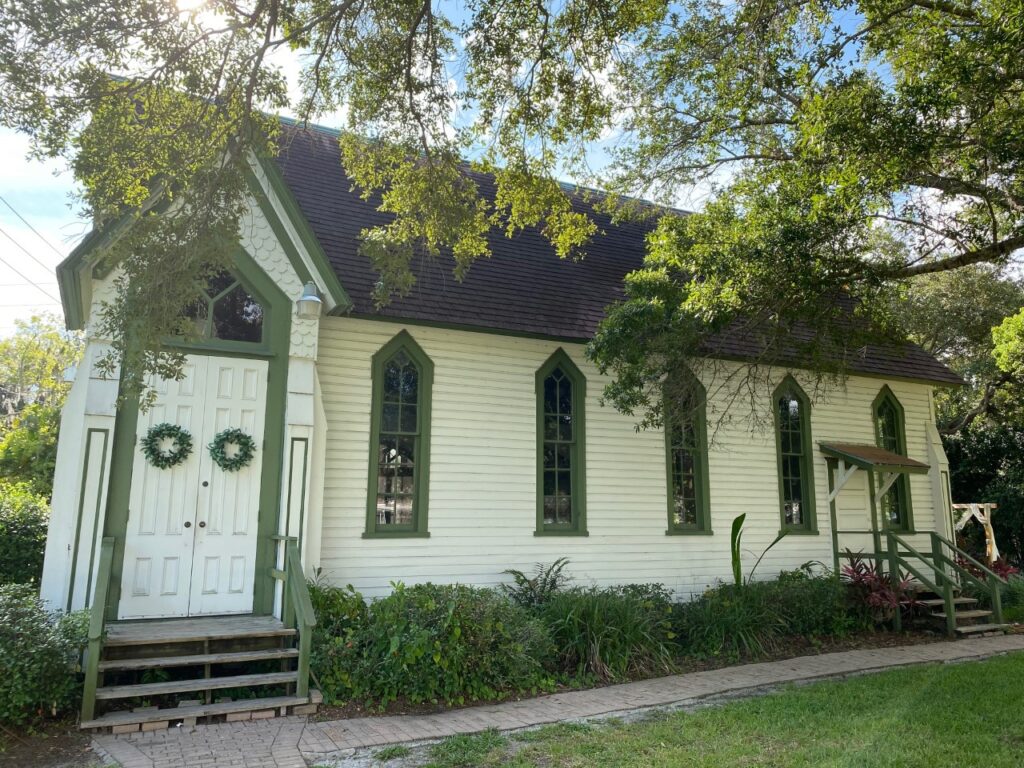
532	591
431	643
28	449
1013	599
611	634
730	621
39	656
814	606
875	594
23	520
339	610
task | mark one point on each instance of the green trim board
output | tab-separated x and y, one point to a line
275	348
297	443
801	450
886	401
555	444
699	463
298	221
418	437
97	522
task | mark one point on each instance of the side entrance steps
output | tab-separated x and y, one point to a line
968	620
153	673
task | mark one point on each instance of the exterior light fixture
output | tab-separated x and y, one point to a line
309	304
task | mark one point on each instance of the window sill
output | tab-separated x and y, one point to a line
396	535
560	533
799	532
685	532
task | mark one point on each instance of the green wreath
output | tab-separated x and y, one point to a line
152	445
246	449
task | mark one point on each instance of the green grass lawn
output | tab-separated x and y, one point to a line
957	715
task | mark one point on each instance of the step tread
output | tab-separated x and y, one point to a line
194	630
195	684
973	629
159	662
939	602
979	614
202	710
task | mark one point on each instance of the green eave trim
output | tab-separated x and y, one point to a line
331	283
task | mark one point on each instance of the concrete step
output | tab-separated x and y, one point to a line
194	684
981	629
938	602
170	714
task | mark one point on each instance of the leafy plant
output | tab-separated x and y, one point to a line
735	540
28	449
730	621
339	610
24	515
875	591
39	656
431	643
612	634
1013	599
532	591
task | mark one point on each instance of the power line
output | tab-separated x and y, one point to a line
23	276
28	253
38	234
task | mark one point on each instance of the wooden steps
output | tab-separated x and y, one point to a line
145	690
160	662
152	673
982	629
968	620
938	602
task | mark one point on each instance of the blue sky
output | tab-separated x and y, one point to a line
42	194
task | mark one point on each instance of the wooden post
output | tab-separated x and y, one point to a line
831	468
997	599
97	617
894	578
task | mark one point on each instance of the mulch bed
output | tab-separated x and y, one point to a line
789	649
51	745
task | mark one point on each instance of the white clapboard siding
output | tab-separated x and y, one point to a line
482	508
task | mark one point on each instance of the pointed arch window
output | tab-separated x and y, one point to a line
890	433
561	472
686	453
792	410
403	378
227	310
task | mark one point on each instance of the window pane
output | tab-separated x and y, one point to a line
237	316
219	283
408	418
389	418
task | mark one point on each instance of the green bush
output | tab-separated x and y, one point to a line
752	620
611	634
39	656
729	621
814	606
532	591
1013	599
435	643
28	449
23	520
338	610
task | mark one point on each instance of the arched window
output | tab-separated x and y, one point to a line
793	445
399	439
686	447
890	433
228	311
561	471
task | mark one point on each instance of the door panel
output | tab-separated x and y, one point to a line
224	561
158	546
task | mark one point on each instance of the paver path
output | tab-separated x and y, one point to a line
288	742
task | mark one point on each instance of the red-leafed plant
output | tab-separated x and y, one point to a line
1000	568
876	592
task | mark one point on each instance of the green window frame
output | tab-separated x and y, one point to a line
794	451
890	433
686	468
403	377
561	448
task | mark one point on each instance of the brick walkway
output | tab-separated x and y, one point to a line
289	742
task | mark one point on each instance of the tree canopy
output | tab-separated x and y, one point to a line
849	146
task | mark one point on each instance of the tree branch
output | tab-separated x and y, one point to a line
990	253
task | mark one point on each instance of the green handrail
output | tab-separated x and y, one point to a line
97	621
991	583
302	605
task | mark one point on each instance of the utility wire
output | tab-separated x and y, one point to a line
51	246
27	252
23	276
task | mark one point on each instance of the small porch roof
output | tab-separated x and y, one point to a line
872	457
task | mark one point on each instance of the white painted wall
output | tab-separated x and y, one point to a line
482	507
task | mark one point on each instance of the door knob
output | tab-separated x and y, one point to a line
202	525
188	524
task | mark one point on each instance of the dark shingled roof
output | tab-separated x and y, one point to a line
523	288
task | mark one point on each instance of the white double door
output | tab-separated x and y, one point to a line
190	547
